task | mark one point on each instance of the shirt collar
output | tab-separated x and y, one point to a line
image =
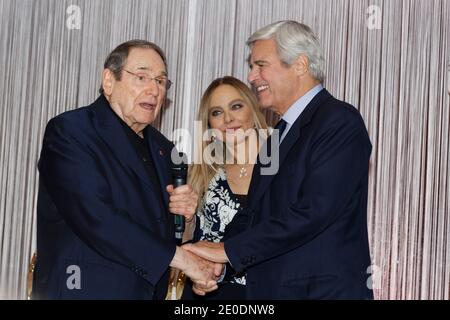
297	108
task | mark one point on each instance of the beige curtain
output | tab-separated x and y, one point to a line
390	58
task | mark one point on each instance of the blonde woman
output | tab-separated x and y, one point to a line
232	129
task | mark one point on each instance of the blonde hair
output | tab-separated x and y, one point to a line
201	174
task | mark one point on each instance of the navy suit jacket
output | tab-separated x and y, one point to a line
100	220
304	235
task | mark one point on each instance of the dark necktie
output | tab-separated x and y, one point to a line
281	126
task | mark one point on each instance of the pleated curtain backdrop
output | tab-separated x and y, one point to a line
390	58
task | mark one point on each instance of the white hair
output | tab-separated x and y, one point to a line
293	39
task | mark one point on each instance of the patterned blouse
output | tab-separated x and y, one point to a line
219	207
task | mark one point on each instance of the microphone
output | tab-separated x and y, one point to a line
179	175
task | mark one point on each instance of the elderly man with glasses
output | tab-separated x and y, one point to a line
104	229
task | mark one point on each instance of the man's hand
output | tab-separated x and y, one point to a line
183	201
203	273
208	250
201	290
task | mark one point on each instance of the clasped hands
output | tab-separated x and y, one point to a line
212	254
203	261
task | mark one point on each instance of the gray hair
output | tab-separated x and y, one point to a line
117	58
293	39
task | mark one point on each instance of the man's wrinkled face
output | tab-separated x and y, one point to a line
138	96
275	83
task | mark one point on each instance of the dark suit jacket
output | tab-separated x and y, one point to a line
99	217
304	235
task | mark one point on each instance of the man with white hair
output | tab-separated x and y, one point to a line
304	235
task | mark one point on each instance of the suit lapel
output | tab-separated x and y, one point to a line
158	154
260	183
110	130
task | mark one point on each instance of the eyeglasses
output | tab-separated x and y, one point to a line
143	79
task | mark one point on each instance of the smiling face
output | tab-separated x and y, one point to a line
135	101
228	112
276	85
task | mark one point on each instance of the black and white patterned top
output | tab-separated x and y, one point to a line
219	207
